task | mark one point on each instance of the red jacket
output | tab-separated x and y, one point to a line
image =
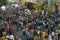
28	26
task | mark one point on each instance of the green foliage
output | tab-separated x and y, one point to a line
2	2
39	6
36	5
45	7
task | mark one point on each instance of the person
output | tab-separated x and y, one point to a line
23	34
56	36
50	37
36	37
9	35
0	33
58	30
28	26
10	27
3	35
59	36
12	37
17	38
27	35
53	34
43	35
3	38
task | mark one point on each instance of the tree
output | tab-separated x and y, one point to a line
37	6
2	2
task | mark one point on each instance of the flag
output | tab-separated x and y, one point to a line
43	1
34	1
17	1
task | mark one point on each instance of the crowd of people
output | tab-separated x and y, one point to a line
18	24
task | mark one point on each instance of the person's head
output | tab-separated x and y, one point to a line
59	25
4	34
56	33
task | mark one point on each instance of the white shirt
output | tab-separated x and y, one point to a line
10	36
50	37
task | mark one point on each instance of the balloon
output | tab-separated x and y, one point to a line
49	2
